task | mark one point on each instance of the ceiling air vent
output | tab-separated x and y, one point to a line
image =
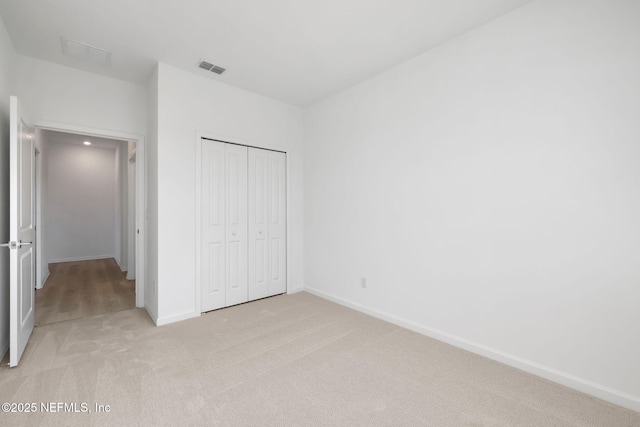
210	67
206	65
86	52
217	70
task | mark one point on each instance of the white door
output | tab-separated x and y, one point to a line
243	224
213	226
224	225
267	223
236	223
258	223
277	223
21	232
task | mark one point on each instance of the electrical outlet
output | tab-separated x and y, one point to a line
363	282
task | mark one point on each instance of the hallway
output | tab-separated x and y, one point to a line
83	289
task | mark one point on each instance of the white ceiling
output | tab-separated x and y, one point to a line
297	51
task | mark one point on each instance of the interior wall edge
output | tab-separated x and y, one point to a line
44	279
152	314
165	320
597	390
121	266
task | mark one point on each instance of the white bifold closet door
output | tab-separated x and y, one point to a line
267	223
243	199
224	224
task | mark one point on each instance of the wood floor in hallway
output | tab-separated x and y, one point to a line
80	289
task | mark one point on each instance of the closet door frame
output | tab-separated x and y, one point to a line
198	168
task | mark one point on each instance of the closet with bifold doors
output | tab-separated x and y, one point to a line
243	224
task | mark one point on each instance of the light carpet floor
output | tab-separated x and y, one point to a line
291	360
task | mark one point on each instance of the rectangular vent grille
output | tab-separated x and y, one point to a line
206	65
85	52
210	67
217	70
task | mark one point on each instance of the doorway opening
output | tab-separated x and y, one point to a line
89	207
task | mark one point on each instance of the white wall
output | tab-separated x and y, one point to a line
130	173
54	93
488	191
7	59
122	205
151	251
42	267
188	103
80	202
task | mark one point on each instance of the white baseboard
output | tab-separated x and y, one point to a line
176	318
80	258
44	280
190	315
295	290
152	314
597	390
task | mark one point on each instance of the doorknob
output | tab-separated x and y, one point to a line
233	233
15	245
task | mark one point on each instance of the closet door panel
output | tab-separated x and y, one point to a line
236	229
244	241
258	200
277	223
213	263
